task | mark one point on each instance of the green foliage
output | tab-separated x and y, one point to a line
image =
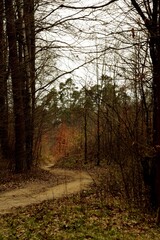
71	162
1	237
83	216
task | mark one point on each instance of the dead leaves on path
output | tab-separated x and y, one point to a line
10	181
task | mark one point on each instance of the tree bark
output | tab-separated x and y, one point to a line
30	77
3	89
155	55
16	75
152	23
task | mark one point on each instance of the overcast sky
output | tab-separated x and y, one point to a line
77	40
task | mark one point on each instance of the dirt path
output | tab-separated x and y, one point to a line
36	193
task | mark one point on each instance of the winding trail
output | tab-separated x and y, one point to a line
34	193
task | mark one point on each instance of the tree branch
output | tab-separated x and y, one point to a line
89	7
140	12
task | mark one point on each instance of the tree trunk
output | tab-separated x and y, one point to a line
16	75
3	90
152	23
29	102
85	130
155	55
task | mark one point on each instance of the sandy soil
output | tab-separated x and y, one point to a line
34	192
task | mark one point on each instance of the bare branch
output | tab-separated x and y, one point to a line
89	7
140	12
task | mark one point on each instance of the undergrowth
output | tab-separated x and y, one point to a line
99	213
82	216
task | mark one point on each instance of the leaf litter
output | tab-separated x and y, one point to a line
79	216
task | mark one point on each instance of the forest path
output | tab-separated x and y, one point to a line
34	193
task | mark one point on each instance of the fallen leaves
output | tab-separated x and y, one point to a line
10	181
80	216
86	215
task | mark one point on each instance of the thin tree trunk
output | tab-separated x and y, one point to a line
85	131
3	89
30	77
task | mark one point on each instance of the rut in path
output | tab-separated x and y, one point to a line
34	193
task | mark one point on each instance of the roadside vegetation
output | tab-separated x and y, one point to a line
82	216
96	213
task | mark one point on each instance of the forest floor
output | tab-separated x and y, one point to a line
43	184
63	204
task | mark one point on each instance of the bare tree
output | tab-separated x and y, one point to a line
149	12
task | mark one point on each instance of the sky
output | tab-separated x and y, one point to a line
73	41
